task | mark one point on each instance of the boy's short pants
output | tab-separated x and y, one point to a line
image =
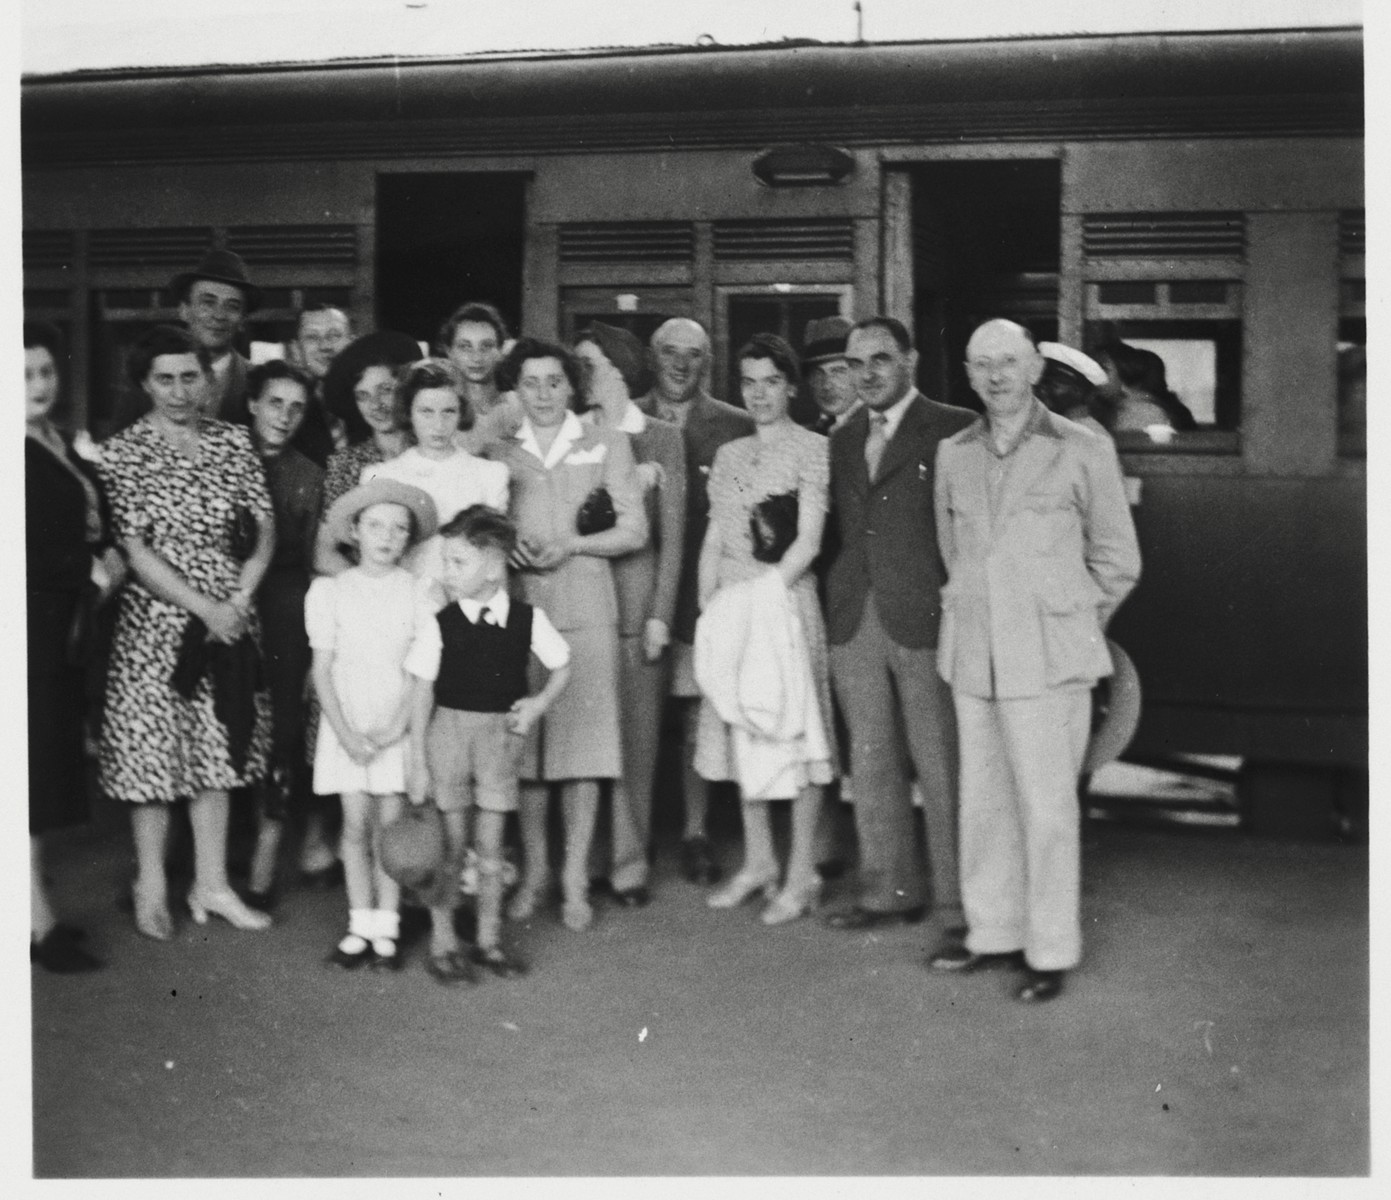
473	759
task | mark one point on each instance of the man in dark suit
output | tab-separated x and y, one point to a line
680	358
214	298
883	607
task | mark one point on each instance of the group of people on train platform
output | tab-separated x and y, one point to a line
426	592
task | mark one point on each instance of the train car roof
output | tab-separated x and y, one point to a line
802	77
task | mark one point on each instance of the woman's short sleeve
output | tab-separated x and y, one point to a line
814	472
121	475
319	613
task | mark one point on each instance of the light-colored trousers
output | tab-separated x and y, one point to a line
642	686
890	693
1020	828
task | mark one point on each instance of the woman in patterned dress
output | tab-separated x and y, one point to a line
180	484
780	457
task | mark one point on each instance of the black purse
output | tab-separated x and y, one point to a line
242	533
596	513
773	526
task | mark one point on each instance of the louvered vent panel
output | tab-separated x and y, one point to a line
819	239
1352	231
147	247
627	242
295	245
1164	235
47	249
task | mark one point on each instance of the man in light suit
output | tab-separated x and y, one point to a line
214	299
680	358
881	620
1040	550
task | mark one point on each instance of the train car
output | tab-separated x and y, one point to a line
1198	194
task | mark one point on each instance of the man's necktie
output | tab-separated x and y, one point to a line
875	443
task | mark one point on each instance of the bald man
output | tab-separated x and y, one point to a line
680	351
1040	550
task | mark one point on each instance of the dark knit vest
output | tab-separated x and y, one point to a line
483	666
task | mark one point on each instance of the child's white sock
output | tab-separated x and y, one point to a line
361	929
386	929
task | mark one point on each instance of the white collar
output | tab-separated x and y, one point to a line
571	430
893	415
499	605
633	420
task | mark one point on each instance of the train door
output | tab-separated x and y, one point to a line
985	242
444	239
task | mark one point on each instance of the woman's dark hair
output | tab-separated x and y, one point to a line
476	312
422	376
157	342
776	351
277	368
1144	370
527	349
46	335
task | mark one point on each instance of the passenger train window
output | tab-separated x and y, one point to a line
1172	352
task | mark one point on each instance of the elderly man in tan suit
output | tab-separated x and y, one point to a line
1040	550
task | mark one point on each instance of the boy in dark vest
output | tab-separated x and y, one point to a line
467	736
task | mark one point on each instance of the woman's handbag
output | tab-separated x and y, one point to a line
773	526
242	533
596	513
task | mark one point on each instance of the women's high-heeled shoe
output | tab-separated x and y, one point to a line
744	886
528	897
792	902
227	905
152	916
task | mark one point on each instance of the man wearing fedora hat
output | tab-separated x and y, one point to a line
828	374
214	298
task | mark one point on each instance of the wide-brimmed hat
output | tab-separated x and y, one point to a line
221	266
1084	364
384	346
1116	702
383	491
412	847
825	339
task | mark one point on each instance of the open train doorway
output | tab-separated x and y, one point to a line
987	242
443	239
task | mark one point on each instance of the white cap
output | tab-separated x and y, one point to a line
1083	364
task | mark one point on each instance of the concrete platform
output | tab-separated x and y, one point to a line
1218	1027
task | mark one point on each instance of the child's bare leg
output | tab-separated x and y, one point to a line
531	811
388	905
488	830
443	939
580	798
357	874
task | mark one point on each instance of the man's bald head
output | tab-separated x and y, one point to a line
1003	365
680	355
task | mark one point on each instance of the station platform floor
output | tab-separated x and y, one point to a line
1219	1026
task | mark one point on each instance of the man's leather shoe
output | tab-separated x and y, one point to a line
698	863
957	958
1041	986
868	918
633	897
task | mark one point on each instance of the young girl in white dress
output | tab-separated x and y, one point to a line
369	627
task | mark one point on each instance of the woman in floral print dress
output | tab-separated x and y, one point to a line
178	482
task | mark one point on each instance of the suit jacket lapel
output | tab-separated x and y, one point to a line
903	446
851	440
